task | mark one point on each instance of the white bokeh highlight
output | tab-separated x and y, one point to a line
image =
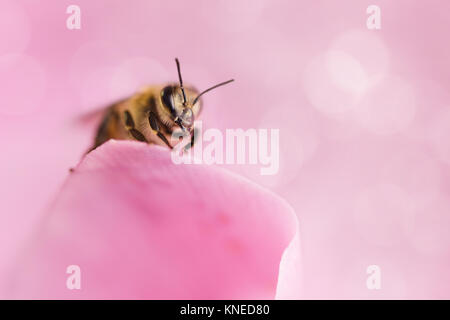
388	107
329	83
367	48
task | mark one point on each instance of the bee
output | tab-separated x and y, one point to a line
153	113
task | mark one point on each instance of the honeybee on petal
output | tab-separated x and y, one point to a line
153	113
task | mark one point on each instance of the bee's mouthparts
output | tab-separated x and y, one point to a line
186	119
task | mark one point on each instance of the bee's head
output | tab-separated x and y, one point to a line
182	110
183	103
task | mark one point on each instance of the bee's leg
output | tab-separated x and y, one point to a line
129	124
155	127
103	131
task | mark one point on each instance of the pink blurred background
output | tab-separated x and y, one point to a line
364	117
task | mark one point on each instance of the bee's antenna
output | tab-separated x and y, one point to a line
181	80
209	89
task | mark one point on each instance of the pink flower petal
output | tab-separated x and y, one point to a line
140	226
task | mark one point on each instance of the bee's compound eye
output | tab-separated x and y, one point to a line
167	98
